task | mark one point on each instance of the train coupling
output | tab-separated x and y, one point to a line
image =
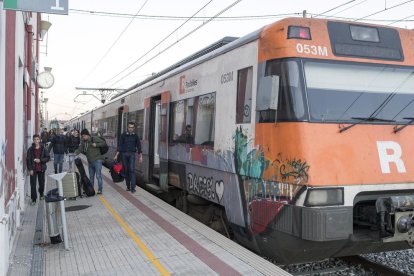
396	218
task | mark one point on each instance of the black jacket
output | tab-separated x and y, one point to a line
59	144
73	143
44	158
129	143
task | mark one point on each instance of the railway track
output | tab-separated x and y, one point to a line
372	266
350	265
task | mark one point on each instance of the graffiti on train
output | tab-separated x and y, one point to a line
292	169
205	187
277	179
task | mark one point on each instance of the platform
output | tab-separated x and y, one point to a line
119	233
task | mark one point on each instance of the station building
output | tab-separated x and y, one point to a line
19	117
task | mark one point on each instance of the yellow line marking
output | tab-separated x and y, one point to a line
137	240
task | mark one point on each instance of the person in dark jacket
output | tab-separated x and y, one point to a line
36	159
90	147
129	145
59	145
73	144
44	137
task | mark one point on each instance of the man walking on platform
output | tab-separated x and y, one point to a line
90	147
128	145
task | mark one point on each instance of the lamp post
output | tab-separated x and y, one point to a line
44	28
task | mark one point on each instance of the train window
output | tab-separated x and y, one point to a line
244	95
178	119
192	120
292	101
350	91
204	127
95	127
105	128
111	126
138	118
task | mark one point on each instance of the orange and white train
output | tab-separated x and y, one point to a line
297	139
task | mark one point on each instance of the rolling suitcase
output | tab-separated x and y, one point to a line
85	182
71	185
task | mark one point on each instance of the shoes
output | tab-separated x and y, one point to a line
33	203
99	192
42	197
128	189
133	191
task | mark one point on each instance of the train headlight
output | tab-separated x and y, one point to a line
299	32
324	197
364	33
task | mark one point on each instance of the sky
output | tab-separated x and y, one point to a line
100	44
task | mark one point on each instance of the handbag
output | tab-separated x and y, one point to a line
117	167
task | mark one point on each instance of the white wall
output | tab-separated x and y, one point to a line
3	226
10	221
19	106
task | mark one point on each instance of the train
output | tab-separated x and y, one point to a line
301	137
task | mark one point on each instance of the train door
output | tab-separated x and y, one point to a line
158	146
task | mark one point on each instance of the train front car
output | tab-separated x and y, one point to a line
332	173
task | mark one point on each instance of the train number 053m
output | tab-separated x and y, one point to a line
312	49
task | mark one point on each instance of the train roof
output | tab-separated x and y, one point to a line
224	41
220	47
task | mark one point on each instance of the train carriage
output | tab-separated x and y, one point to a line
294	139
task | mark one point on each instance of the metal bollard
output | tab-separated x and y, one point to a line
52	198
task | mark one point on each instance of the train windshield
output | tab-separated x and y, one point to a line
349	92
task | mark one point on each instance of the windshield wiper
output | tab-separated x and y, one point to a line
411	119
372	119
365	119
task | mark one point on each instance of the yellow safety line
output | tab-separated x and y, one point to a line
137	240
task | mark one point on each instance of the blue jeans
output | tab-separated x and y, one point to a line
128	163
58	162
96	167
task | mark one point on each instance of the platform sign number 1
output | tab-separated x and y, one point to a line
57	6
42	6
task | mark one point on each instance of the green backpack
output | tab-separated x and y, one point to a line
104	149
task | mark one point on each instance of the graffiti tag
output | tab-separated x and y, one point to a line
205	187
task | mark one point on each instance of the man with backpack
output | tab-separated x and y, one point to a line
128	145
91	146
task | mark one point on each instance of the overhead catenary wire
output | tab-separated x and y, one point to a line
114	43
236	18
334	8
174	17
350	7
385	9
159	43
400	20
179	40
